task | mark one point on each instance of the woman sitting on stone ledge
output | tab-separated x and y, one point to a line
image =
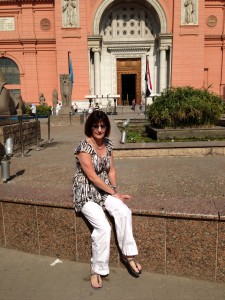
95	190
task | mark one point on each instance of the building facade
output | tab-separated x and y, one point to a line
108	42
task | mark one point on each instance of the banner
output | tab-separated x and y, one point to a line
70	68
148	79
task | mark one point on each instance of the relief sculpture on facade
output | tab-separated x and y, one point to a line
69	10
189	12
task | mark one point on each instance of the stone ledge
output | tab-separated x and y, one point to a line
169	152
168	243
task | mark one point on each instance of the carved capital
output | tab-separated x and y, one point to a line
97	49
163	48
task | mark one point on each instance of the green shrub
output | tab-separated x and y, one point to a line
185	107
43	110
27	109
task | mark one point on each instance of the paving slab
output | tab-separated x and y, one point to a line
26	276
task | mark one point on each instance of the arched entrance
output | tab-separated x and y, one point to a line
124	35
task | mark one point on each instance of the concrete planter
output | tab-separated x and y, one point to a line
185	133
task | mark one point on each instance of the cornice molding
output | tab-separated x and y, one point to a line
27	41
214	37
25	1
128	49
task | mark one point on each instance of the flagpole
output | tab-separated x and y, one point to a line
146	82
68	60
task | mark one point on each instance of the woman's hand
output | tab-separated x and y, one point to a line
122	197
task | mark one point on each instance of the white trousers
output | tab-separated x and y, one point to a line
101	233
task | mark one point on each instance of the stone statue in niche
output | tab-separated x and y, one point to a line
66	87
189	11
41	99
69	8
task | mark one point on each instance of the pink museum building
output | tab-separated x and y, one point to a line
108	42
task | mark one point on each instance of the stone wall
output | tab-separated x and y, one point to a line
66	120
169	244
29	133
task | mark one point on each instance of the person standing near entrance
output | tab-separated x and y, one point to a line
95	190
133	105
141	107
33	110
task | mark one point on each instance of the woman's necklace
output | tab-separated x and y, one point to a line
96	145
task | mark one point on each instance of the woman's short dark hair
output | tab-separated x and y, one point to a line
95	118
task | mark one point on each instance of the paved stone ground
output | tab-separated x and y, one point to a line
29	277
190	185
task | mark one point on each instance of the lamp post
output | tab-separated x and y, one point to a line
115	97
123	133
5	163
90	98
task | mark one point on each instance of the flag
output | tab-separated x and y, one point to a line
70	68
148	79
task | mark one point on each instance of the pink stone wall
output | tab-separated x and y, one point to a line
198	51
188	50
32	49
75	41
198	57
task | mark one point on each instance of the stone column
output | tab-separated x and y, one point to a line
89	60
97	80
163	68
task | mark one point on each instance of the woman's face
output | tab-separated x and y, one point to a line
98	130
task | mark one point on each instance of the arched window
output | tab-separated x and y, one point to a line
10	70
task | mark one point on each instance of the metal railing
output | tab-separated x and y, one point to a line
19	119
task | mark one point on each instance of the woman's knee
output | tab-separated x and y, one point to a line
117	207
126	212
123	211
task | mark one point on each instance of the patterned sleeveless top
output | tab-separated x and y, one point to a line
83	189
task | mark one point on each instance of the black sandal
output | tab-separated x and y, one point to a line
132	272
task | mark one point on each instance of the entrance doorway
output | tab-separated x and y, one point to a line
128	88
128	80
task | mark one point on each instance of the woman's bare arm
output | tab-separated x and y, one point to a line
112	172
88	168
